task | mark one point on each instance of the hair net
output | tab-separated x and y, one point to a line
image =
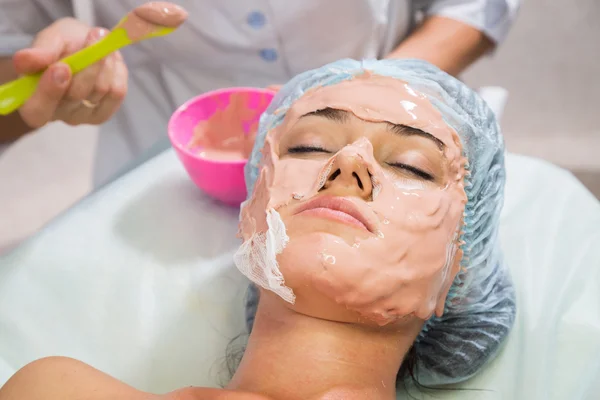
480	307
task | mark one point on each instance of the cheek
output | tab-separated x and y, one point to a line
295	178
303	262
253	212
422	223
302	258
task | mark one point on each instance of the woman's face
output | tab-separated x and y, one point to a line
367	179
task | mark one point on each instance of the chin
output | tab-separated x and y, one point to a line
299	266
312	303
313	230
303	259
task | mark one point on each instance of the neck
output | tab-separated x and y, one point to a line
294	356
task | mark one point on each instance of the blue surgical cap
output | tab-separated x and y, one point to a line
480	308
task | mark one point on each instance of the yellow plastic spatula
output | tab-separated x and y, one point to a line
147	21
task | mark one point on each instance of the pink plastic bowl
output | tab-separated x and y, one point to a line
223	180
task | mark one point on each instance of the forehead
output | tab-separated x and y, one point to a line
374	98
343	117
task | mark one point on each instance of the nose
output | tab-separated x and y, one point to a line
349	176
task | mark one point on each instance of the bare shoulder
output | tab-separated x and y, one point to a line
62	378
194	393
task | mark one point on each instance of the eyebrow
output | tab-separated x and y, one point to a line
404	130
330	113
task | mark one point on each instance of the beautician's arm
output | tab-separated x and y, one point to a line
57	96
11	126
447	43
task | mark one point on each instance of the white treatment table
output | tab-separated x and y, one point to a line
138	281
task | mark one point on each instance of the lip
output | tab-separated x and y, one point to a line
338	208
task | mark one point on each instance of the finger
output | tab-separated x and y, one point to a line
76	112
91	109
274	88
102	85
114	98
40	108
46	50
63	37
84	83
105	78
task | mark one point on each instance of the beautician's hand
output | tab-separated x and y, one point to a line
90	97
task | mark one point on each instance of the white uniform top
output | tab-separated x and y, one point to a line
235	43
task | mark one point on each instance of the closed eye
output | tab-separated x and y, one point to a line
307	149
415	171
409	168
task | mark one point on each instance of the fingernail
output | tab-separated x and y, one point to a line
93	36
60	75
97	34
101	33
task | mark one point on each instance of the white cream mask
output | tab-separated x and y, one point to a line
403	260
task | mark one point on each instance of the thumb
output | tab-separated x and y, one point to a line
47	49
42	105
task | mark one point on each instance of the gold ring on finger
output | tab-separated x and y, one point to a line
89	104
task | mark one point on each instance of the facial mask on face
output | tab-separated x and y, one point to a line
480	307
257	257
404	260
